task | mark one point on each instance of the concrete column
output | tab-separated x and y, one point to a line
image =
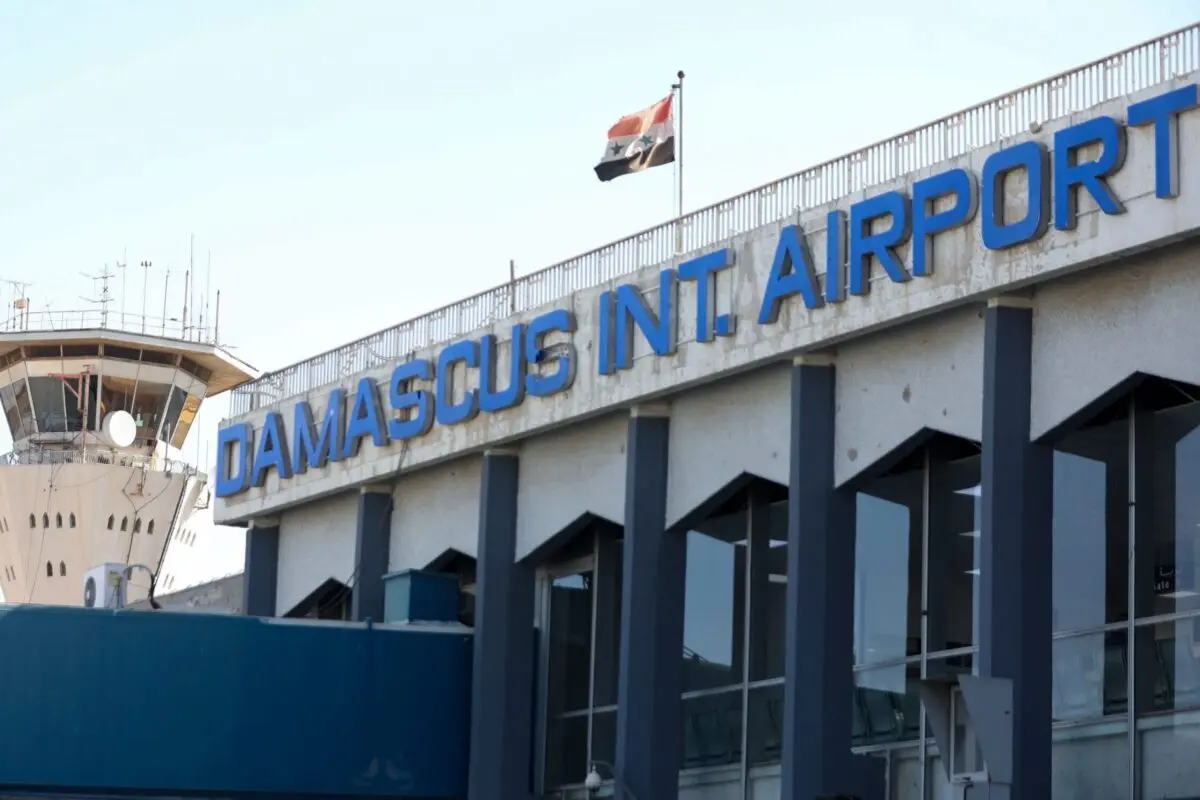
260	578
819	647
371	545
1016	549
502	696
649	722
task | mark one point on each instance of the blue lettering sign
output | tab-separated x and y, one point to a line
469	377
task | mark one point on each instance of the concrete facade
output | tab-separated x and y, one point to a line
994	356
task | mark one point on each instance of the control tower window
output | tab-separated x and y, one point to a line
149	408
71	520
8	398
45	520
49	570
49	397
187	415
111	520
171	419
124	524
24	406
137	524
58	520
116	394
62	568
150	528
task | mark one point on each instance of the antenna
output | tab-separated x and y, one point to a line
207	293
187	281
166	288
20	305
121	266
105	297
145	277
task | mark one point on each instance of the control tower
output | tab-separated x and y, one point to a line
99	405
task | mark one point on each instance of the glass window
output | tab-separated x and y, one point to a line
1175	549
170	421
24	406
186	416
582	644
49	404
714	603
887	704
570	643
8	398
768	590
116	394
955	513
149	408
1090	529
887	567
1089	676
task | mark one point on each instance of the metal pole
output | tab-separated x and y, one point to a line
166	287
145	287
512	286
678	89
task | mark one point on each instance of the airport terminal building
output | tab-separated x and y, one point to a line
882	480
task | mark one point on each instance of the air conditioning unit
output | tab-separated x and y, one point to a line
104	586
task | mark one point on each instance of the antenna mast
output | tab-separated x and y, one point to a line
105	296
145	288
20	305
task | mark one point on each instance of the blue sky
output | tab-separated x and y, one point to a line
351	164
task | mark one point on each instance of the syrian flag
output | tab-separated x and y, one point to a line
639	141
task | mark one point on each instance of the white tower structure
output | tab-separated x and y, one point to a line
99	405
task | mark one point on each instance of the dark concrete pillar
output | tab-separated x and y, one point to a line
502	706
372	541
260	578
1016	549
819	648
649	722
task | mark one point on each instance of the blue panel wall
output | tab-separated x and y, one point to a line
158	702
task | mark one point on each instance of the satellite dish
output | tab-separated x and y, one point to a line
119	428
89	592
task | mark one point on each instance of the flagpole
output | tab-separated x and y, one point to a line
678	89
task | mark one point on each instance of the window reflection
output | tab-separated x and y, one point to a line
149	408
1175	450
8	398
1091	478
714	603
183	420
887	568
1089	675
887	705
49	404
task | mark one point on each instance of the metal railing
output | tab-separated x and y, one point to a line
36	456
94	319
1139	67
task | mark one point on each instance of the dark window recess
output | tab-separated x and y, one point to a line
43	351
126	353
155	357
195	370
80	350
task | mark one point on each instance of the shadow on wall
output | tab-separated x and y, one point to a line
230	705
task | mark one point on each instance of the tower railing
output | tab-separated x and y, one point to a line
60	455
95	319
1139	67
